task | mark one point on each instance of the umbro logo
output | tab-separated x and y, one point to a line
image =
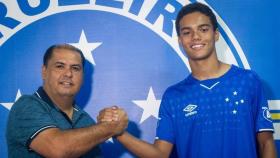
190	110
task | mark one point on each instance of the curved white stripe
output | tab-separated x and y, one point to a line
55	9
147	6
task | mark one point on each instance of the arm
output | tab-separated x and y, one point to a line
160	148
266	145
54	142
263	122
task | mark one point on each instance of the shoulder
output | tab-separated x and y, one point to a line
247	74
177	89
242	71
27	102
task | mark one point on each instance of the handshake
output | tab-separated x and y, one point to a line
115	118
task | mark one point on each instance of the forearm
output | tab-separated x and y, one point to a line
71	143
138	147
80	141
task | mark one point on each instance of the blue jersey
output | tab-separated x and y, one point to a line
216	117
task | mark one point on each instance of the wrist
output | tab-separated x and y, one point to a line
119	135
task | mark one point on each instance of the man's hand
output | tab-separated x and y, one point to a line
115	117
108	114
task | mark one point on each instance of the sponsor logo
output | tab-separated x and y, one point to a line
190	110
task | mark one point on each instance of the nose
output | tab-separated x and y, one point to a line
68	72
196	36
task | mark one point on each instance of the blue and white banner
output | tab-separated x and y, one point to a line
132	53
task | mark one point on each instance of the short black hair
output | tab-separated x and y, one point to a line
196	7
50	50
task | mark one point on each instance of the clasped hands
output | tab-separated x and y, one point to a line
115	117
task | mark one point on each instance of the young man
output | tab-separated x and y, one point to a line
48	123
218	111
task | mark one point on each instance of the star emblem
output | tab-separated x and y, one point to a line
150	106
86	47
234	112
234	93
227	99
9	105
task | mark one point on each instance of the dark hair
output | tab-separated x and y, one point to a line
50	50
196	7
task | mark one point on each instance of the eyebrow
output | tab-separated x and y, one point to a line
185	28
199	26
62	63
58	62
79	65
202	25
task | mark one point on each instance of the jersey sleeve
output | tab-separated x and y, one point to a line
28	117
165	126
263	118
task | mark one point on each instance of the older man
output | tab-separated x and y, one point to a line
49	123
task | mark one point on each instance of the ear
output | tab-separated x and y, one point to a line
43	72
217	35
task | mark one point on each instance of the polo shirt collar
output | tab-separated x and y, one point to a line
41	93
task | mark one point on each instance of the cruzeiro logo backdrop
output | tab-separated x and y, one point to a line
131	50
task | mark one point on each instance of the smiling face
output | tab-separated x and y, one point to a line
197	36
63	74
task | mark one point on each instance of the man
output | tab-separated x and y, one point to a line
218	111
49	123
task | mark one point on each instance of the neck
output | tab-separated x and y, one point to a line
208	68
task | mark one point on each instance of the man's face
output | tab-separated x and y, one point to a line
197	36
63	75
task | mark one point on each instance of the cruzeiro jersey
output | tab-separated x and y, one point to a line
216	118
